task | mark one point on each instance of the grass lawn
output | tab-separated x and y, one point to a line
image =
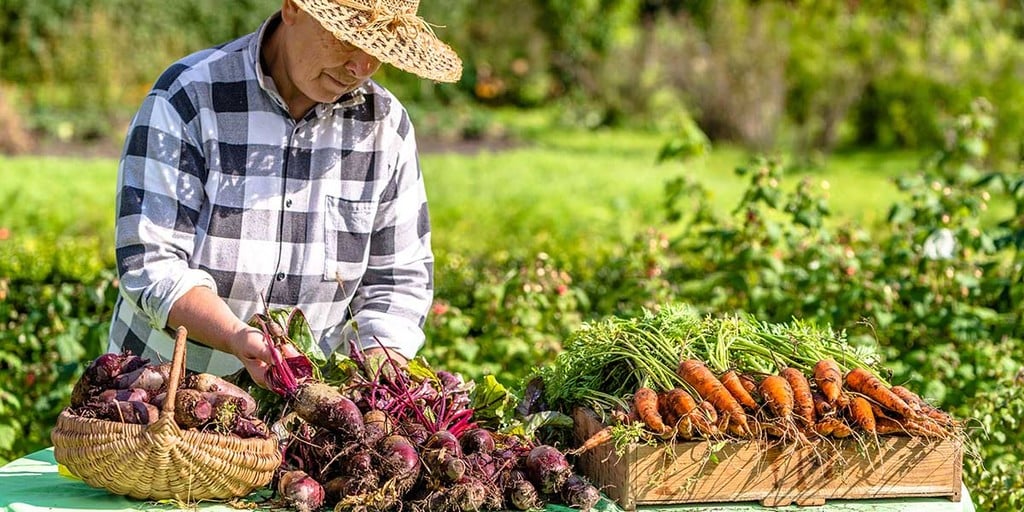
560	187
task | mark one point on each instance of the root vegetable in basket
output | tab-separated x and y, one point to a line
139	413
209	383
100	375
152	378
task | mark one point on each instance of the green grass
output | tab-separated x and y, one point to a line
558	187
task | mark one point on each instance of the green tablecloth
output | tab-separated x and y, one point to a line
32	483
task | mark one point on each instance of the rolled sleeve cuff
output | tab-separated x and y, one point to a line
396	333
158	303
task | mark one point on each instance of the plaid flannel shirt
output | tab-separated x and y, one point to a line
219	187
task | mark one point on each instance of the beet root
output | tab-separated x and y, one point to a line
192	409
477	440
547	468
520	492
376	426
400	462
300	491
150	378
324	406
139	413
209	383
578	493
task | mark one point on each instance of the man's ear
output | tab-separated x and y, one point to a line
289	12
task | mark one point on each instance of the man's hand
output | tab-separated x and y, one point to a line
252	349
399	359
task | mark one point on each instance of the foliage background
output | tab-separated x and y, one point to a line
873	105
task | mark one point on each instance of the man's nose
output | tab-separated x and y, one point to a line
362	64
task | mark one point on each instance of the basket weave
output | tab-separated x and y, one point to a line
160	460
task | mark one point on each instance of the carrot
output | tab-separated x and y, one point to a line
693	415
697	375
645	401
778	395
833	426
908	396
597	439
829	379
803	402
861	414
861	381
922	407
679	405
731	381
822	407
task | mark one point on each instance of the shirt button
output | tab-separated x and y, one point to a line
280	276
287	203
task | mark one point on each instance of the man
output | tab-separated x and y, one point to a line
272	172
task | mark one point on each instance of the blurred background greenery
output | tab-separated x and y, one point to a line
584	167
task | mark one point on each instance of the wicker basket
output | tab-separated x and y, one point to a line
161	461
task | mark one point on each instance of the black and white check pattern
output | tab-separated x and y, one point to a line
219	187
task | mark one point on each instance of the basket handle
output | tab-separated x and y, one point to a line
177	368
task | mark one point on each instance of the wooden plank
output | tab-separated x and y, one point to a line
771	472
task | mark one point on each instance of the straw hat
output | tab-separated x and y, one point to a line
391	31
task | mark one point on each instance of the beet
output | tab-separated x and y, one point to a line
449	381
97	376
324	406
547	468
150	378
124	395
191	409
520	492
209	383
444	440
139	413
400	462
477	440
376	426
342	486
247	428
578	493
467	495
300	491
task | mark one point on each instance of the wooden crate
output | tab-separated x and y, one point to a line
772	473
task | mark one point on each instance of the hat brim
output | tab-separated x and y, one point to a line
411	47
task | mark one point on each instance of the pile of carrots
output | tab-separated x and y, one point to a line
788	405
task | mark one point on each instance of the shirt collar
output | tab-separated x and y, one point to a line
347	100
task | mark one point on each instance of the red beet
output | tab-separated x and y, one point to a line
300	491
324	406
477	440
547	468
578	493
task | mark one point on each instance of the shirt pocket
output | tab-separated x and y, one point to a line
348	225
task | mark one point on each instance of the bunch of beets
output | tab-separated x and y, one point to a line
128	389
385	440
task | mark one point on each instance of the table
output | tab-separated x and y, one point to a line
33	484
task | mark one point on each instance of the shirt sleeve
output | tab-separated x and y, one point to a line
160	191
391	303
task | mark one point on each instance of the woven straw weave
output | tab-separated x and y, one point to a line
162	461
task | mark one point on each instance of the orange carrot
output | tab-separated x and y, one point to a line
778	395
822	407
597	439
833	426
924	408
731	381
803	402
697	375
682	406
908	396
861	414
645	401
829	379
861	381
